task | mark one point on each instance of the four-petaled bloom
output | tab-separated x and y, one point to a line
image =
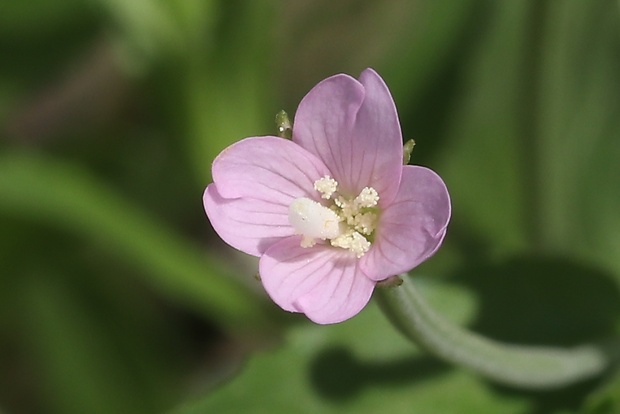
333	211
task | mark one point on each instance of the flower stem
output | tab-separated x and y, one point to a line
529	367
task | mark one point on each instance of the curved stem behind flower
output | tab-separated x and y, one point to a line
531	367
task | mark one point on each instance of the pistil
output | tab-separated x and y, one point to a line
348	223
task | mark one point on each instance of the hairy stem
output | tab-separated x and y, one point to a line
530	367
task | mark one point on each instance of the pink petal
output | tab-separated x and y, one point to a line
353	127
412	227
247	224
323	282
377	133
271	169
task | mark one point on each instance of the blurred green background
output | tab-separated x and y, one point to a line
117	297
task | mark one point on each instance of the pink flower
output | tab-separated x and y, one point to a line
333	211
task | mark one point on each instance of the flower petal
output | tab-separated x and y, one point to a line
267	168
378	139
412	227
353	127
324	121
247	224
321	281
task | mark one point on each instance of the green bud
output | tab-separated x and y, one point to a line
390	282
283	123
407	150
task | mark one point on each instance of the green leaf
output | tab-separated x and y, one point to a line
530	157
225	87
88	359
66	196
433	41
606	400
39	16
579	129
145	30
361	366
480	159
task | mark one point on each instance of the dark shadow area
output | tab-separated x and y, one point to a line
569	399
428	114
336	374
544	301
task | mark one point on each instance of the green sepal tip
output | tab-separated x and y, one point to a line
407	150
283	123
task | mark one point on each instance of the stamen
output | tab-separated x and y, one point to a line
367	198
365	223
352	241
326	186
346	223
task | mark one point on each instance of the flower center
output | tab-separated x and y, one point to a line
347	223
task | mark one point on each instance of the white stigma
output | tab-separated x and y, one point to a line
348	223
313	221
